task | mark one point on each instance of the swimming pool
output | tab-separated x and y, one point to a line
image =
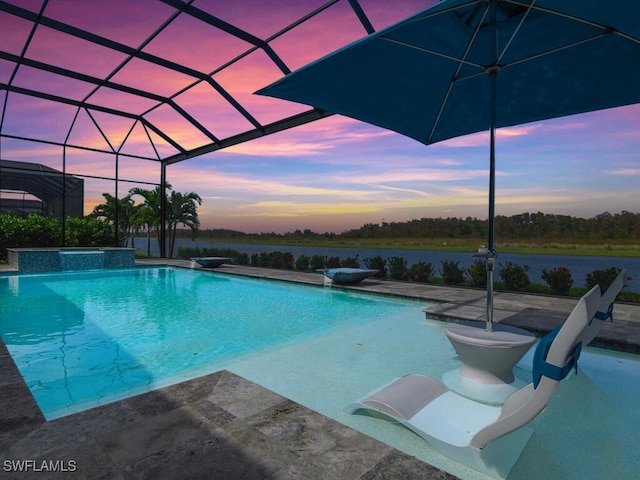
589	429
81	339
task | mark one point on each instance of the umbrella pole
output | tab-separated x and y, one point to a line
492	71
491	252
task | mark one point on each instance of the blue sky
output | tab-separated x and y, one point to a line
339	173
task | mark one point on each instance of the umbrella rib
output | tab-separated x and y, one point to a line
564	47
515	32
582	20
460	61
434	52
606	30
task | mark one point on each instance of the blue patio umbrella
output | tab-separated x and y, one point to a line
465	66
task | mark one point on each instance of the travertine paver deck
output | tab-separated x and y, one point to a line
224	426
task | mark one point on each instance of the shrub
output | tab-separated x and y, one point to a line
420	272
302	263
398	268
351	262
254	259
333	262
189	252
221	252
289	260
604	278
32	231
39	231
88	232
559	280
276	260
377	263
451	272
317	262
514	276
263	260
242	259
478	273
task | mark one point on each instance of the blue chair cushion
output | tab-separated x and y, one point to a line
605	315
542	368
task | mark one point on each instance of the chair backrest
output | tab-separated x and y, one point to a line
525	404
605	311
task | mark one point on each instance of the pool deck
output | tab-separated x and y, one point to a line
224	426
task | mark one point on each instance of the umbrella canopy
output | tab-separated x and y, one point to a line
465	66
428	77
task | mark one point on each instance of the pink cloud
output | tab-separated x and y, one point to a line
51	83
13	33
625	172
259	18
151	77
123	101
311	40
249	74
194	44
36	118
53	47
212	111
382	16
130	21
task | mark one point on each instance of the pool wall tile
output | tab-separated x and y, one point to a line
39	260
88	260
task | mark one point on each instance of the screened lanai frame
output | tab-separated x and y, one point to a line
52	54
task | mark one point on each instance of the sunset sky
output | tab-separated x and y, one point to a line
329	175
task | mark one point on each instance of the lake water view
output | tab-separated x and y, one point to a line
578	265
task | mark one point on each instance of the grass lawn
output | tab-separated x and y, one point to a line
580	247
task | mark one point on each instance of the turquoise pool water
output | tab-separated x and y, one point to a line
81	339
323	348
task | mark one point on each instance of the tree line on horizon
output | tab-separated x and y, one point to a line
605	226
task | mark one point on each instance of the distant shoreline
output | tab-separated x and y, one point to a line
611	249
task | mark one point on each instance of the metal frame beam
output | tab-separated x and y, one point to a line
180	7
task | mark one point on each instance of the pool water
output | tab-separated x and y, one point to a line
589	429
107	335
81	339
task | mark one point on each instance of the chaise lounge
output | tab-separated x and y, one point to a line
485	437
604	313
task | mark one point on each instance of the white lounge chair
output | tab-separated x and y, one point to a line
604	313
485	437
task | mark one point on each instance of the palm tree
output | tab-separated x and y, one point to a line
123	209
149	214
182	209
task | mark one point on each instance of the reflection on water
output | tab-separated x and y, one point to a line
67	360
85	338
